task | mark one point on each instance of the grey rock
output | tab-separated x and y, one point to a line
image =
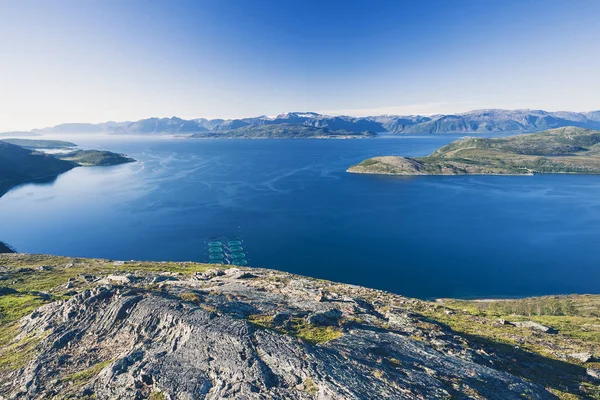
326	318
209	274
583	357
594	373
535	326
236	273
139	342
124	279
163	278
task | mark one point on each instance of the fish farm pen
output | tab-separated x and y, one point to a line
225	251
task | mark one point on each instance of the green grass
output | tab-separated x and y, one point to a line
191	297
539	357
12	308
15	306
51	281
156	396
310	387
95	158
16	355
565	150
82	377
574	316
299	328
368	162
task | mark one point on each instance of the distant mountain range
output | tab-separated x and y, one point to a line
283	125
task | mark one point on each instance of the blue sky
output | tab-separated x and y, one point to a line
92	61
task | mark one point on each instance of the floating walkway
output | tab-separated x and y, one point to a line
226	251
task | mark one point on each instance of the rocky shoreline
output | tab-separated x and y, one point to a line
84	327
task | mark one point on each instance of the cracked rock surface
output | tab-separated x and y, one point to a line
244	333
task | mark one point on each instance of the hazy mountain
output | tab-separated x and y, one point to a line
164	125
478	121
482	121
17	134
288	131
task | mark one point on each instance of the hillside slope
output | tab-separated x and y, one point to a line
563	150
81	327
19	165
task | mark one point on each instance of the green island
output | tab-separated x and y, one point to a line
568	150
40	144
20	165
94	328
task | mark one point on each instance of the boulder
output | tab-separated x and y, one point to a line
583	357
209	274
163	278
594	373
535	326
325	318
237	273
122	279
502	321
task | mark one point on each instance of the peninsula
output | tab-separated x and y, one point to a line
557	151
22	163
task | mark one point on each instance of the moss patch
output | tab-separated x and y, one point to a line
82	377
16	355
298	327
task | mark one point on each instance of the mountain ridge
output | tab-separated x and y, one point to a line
475	121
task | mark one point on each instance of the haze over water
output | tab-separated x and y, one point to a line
298	210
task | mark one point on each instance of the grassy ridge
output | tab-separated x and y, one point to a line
563	150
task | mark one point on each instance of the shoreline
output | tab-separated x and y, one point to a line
430	299
392	174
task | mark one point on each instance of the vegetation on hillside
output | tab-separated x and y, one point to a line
562	150
20	165
553	341
281	131
95	158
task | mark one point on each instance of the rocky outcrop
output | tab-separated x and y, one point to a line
246	334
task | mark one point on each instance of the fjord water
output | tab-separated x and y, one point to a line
298	210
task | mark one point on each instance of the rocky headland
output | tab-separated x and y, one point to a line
567	150
89	328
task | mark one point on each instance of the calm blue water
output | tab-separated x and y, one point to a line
298	210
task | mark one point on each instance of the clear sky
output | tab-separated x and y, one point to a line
92	61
